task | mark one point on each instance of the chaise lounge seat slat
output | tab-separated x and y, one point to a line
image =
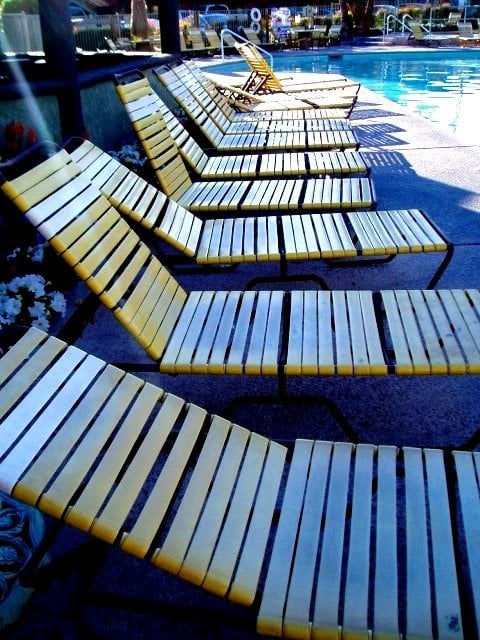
324	539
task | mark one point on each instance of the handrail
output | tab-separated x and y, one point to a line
239	37
393	19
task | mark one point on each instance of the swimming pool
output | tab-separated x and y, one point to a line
443	86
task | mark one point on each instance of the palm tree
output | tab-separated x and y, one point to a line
139	19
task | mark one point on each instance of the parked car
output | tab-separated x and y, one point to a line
77	10
213	16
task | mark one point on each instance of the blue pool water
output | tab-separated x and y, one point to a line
443	86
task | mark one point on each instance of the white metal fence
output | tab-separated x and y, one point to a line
21	33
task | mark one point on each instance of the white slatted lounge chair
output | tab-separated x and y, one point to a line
145	108
234	332
273	238
358	540
235	195
187	93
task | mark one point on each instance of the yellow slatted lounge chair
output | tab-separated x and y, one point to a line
198	42
213	40
273	333
199	84
262	77
357	540
466	35
139	99
420	37
187	91
261	140
335	34
240	195
252	36
273	238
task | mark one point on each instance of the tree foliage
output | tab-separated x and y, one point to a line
18	6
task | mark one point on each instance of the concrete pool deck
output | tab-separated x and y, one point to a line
414	165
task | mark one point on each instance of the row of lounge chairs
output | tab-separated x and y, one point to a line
202	42
367	538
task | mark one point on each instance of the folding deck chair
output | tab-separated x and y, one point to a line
233	195
263	79
138	97
199	83
325	539
253	239
272	333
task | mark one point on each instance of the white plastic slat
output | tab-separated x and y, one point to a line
302	582
327	601
418	605
355	617
171	554
447	599
270	616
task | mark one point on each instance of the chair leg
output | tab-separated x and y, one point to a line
283	398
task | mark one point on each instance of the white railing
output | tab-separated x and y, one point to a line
390	21
237	36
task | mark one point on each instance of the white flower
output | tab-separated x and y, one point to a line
58	302
37	310
25	300
32	282
36	252
41	323
9	309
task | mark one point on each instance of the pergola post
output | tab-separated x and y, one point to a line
60	57
169	27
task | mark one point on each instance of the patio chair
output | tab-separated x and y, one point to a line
263	79
184	46
261	139
230	195
418	36
138	97
335	34
268	102
213	40
316	539
272	333
207	90
198	42
281	239
451	23
466	35
252	36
